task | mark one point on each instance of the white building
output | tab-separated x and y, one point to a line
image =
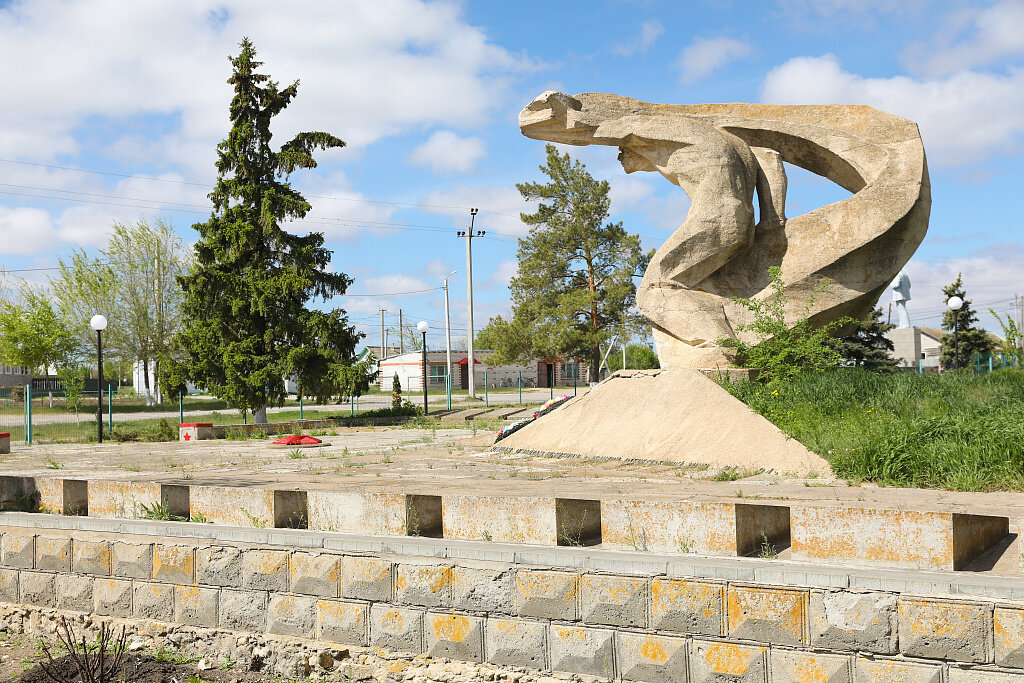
917	348
409	368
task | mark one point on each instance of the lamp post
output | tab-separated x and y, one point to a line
99	323
955	303
422	326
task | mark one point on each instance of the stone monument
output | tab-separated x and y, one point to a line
842	255
900	297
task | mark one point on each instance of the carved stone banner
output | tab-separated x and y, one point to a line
721	154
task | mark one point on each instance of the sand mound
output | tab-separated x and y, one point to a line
675	415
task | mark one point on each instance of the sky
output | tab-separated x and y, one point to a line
111	111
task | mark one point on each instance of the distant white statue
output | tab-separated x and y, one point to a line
900	296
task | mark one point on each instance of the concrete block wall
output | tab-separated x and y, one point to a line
613	615
818	533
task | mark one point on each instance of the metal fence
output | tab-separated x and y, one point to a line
32	416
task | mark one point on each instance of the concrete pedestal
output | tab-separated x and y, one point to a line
196	431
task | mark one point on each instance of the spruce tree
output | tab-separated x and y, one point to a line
867	346
396	393
246	325
972	340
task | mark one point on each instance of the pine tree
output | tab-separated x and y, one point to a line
396	393
867	346
575	277
972	341
246	325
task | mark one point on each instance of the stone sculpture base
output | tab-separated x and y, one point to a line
676	415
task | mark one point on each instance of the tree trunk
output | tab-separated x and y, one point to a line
595	363
145	379
259	416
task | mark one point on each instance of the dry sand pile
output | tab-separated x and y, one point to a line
676	415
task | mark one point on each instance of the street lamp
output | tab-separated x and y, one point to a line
422	326
955	303
99	323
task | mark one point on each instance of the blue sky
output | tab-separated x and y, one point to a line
426	94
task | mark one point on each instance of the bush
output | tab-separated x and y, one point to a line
123	434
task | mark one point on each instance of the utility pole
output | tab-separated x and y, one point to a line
401	333
448	339
469	235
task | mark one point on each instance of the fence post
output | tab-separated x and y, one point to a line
486	403
520	387
181	410
352	405
110	410
300	406
28	414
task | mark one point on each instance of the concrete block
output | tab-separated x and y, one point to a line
516	642
503	519
454	636
196	606
18	549
892	538
121	499
767	615
243	610
233	505
338	621
426	585
810	667
712	662
196	431
74	592
5	443
696	607
91	557
956	675
363	513
37	588
112	597
552	595
366	578
53	553
580	650
862	622
944	629
398	629
9	586
614	600
63	496
292	615
483	589
174	563
655	659
316	574
265	570
887	671
153	601
131	560
705	528
219	565
1009	636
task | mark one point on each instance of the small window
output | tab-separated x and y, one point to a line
570	370
437	373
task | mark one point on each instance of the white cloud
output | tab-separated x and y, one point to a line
994	33
26	231
394	65
446	152
499	205
704	55
628	191
649	33
964	118
991	277
503	273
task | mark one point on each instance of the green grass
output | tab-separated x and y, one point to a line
956	431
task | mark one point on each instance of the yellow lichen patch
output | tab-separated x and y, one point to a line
539	584
940	619
727	658
689	596
451	627
809	670
392	620
571	636
654	651
783	607
1008	624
